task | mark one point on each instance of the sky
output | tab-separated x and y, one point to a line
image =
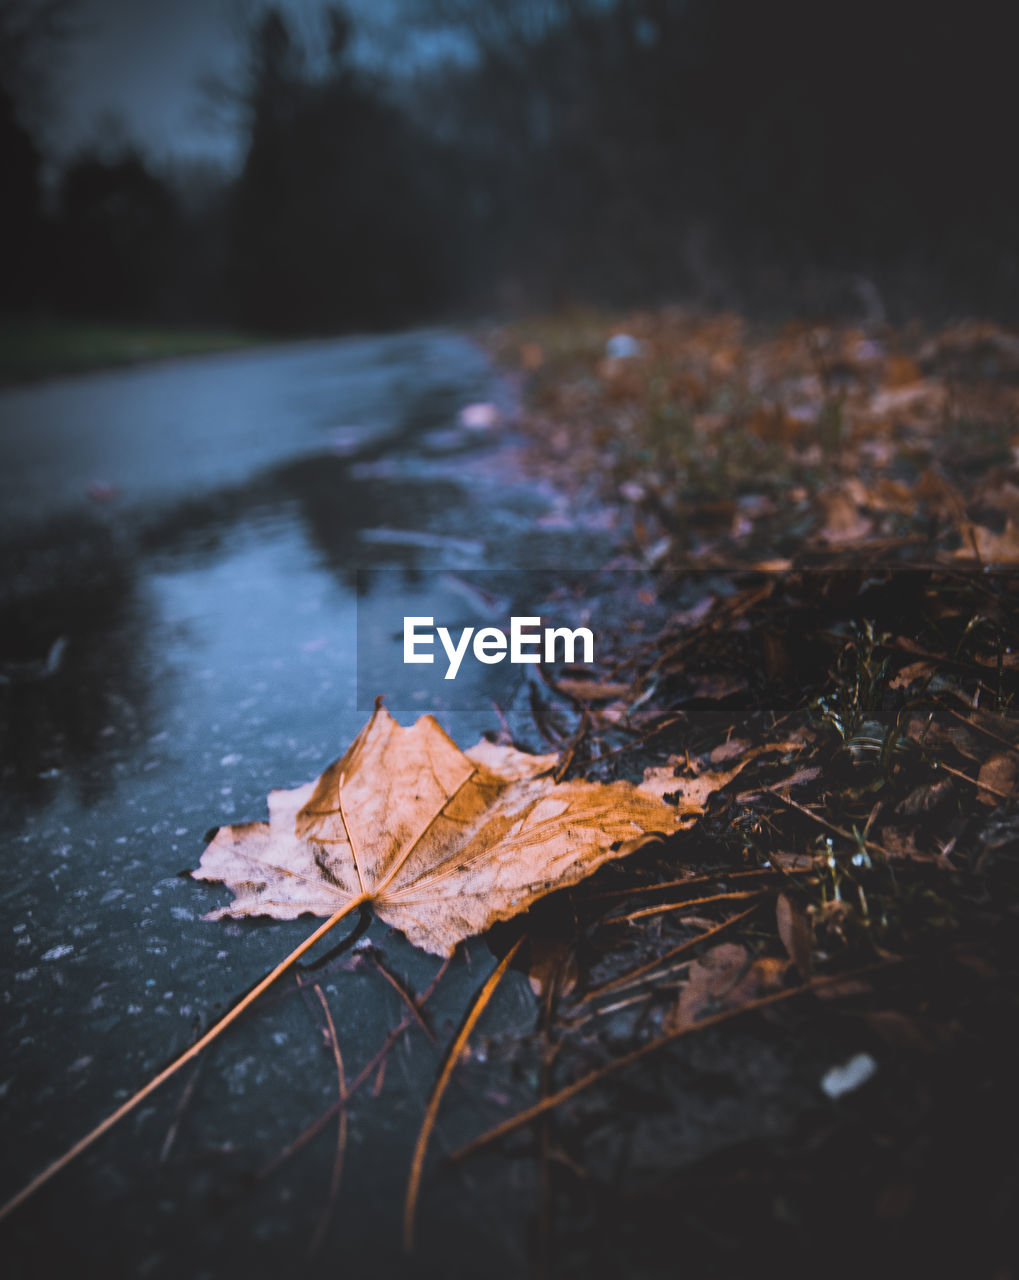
132	72
134	67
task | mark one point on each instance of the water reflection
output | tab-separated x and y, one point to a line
75	667
109	616
209	655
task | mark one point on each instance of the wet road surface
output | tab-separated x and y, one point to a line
179	548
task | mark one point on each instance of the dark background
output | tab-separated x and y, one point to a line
783	156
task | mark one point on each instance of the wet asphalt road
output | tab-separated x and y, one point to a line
180	545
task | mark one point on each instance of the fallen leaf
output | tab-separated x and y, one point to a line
697	922
997	778
890	495
711	977
614	712
842	519
900	842
592	690
808	774
692	792
905	1031
987	546
924	798
713	686
842	990
553	967
793	861
777	662
1004	497
912	671
442	843
722	979
796	933
901	371
939	494
774	565
977	964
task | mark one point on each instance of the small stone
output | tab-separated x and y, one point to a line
850	1076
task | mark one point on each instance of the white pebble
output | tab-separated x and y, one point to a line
851	1075
623	346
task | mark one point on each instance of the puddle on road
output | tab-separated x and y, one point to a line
210	655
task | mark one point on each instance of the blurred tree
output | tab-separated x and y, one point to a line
118	226
333	222
30	33
611	140
22	224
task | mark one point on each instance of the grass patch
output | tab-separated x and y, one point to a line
36	349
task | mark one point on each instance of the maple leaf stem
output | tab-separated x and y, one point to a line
432	1110
213	1033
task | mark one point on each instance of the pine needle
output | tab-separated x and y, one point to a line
432	1110
736	896
635	975
341	1131
317	1125
599	1073
213	1033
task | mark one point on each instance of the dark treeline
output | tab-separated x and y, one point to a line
780	154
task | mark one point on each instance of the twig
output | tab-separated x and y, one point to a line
614	1008
634	890
178	1116
982	786
571	1090
404	995
839	831
736	896
975	725
432	1110
548	1055
573	745
640	741
635	974
317	1125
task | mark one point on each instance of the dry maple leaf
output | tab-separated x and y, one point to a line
442	843
987	546
998	778
724	977
796	932
691	792
842	519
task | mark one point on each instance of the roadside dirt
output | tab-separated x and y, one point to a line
784	1037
